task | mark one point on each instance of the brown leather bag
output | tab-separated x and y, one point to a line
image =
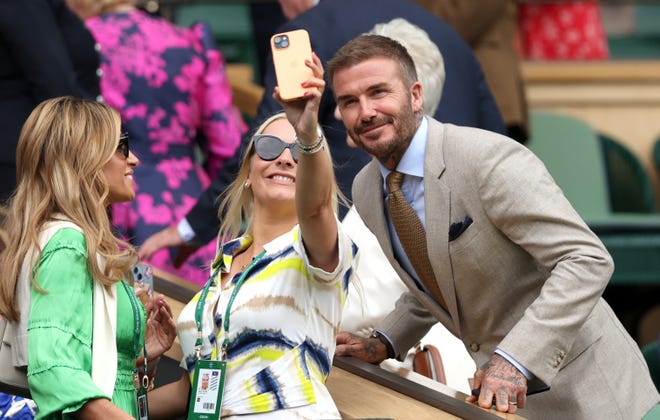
428	362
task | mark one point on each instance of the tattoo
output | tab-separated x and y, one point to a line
371	348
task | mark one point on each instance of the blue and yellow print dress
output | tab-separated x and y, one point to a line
283	325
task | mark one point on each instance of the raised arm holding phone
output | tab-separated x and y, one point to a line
270	312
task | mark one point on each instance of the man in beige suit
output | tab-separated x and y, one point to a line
520	275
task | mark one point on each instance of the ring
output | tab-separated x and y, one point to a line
513	402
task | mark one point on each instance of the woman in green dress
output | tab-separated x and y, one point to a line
63	270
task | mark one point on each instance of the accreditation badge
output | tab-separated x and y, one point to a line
207	389
142	405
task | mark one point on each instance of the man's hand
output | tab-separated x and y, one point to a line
366	349
500	380
166	238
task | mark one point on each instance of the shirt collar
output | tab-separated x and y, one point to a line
412	161
229	250
234	247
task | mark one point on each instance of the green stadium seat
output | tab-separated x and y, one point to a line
651	353
644	42
231	26
628	182
572	152
656	154
654	414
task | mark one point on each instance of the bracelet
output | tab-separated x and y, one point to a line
313	148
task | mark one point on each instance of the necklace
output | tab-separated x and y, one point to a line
248	260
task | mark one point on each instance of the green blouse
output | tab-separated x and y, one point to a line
60	333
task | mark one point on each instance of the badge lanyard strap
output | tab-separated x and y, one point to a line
136	339
202	298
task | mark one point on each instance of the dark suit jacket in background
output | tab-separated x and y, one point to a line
45	51
466	99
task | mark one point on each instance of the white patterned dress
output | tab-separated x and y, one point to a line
283	325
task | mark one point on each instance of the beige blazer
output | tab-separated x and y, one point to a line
526	275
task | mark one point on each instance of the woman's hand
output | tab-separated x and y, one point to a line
161	329
303	113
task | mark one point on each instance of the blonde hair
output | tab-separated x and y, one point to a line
236	210
62	149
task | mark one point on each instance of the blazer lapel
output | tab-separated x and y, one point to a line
370	205
371	208
437	203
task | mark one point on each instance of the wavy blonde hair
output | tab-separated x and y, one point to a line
236	210
62	149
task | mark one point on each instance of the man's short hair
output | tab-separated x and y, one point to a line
365	47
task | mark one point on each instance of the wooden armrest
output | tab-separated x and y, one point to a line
246	94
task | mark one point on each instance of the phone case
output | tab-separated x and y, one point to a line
143	277
290	50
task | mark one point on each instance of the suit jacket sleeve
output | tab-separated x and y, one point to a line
490	117
406	324
520	198
41	54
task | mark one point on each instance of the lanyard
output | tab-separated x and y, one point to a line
137	327
202	299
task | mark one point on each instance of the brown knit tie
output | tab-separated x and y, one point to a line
411	235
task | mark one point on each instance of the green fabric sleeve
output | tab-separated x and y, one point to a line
60	328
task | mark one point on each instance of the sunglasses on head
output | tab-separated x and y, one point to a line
123	145
269	147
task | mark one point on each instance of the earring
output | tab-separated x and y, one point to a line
247	184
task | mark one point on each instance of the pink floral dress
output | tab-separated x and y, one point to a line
169	85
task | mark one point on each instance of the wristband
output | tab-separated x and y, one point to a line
312	148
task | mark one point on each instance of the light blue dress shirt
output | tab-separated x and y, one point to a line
412	187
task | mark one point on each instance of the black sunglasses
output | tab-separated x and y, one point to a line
123	145
269	147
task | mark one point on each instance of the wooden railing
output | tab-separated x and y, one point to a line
360	390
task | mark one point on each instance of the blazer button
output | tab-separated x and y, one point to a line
99	72
474	347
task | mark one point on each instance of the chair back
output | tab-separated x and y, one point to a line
571	151
656	154
652	356
628	182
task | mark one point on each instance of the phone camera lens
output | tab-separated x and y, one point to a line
281	41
